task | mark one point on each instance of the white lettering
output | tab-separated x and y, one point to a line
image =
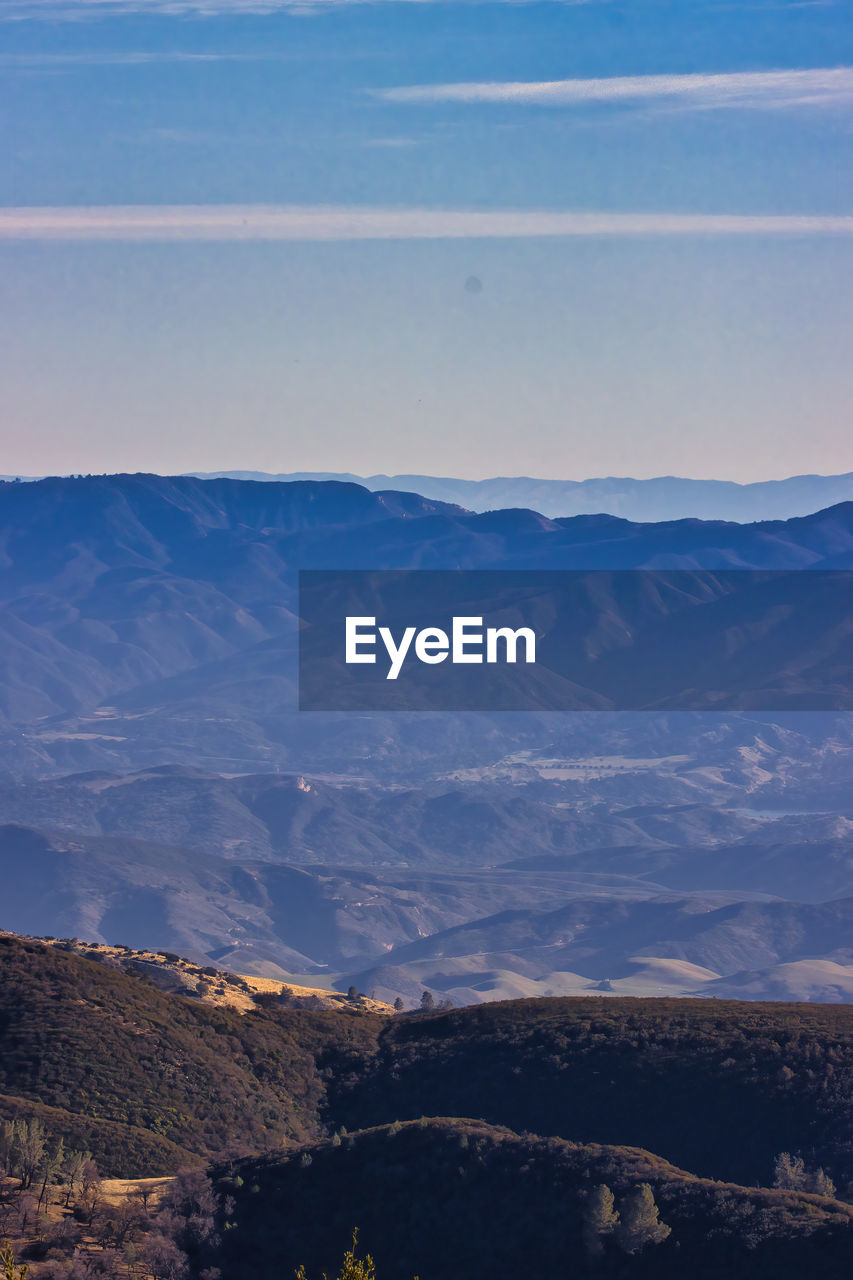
432	645
510	639
355	639
397	653
463	637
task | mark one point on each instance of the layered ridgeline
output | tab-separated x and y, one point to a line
315	1123
473	892
146	619
661	498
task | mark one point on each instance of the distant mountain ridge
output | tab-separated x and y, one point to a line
172	601
649	500
112	582
659	498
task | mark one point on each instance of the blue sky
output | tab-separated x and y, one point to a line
313	184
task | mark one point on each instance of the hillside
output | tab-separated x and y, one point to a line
451	1198
398	889
658	1074
147	1081
131	1069
175	975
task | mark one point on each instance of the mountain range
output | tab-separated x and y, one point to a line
660	498
159	788
133	590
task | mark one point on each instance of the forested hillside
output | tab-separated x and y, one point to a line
108	1047
601	1129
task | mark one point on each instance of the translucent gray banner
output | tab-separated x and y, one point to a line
682	639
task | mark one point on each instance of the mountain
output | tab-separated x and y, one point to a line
629	945
450	824
158	787
656	499
474	890
662	498
147	619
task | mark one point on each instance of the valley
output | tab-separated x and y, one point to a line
160	789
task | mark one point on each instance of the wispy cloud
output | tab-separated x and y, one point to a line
11	10
187	223
819	87
56	61
393	144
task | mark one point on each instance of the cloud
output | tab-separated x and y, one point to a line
219	223
55	61
11	10
393	144
822	87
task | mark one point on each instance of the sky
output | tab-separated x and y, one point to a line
454	237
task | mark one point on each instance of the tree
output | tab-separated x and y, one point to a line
52	1162
398	1005
427	1002
599	1219
163	1258
789	1172
75	1163
7	1145
353	1268
142	1193
92	1190
28	1149
820	1183
8	1270
639	1223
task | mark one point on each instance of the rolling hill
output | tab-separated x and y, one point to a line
109	1048
505	1199
426	1130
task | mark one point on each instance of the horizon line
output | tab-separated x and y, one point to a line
272	222
246	475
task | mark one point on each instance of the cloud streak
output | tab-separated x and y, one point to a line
767	90
56	61
12	10
258	223
19	10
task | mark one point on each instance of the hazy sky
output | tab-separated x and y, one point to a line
451	237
